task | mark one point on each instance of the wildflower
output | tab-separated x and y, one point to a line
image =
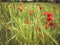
45	13
52	25
36	28
30	12
20	8
40	7
49	19
26	21
46	26
49	14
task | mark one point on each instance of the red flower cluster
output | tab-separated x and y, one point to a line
47	13
48	19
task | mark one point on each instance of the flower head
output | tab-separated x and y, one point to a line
49	14
36	28
26	22
45	13
49	19
30	12
20	8
40	7
52	25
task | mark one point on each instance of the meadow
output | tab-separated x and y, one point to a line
29	23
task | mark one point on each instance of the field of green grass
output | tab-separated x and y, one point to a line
29	23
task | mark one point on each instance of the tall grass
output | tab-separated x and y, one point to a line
14	30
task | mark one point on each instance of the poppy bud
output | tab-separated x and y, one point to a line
40	7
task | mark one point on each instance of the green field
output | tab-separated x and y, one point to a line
29	23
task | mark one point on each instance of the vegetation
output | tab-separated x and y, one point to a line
29	23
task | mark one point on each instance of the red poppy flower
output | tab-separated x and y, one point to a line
40	7
36	28
49	14
26	21
45	13
51	24
49	19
